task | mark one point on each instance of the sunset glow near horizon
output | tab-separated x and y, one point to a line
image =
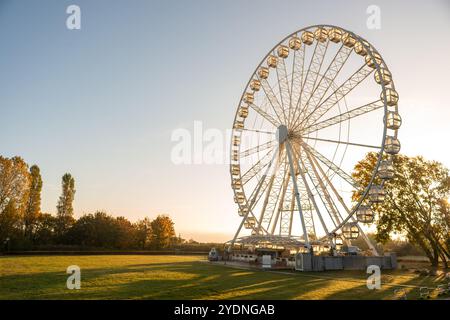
102	102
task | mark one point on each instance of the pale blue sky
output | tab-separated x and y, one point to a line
101	102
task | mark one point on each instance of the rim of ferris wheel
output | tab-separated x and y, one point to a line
295	94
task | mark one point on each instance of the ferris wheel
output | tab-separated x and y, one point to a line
314	106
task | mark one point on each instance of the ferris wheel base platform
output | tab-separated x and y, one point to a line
251	250
308	262
272	242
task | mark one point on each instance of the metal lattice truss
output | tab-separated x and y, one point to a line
291	161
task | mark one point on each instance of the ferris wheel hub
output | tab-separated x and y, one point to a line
282	133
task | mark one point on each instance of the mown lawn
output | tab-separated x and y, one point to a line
185	277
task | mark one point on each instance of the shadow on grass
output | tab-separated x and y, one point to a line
191	280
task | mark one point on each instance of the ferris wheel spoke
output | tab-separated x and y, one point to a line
328	78
344	205
282	200
329	202
308	198
265	115
343	142
258	148
257	167
261	186
296	81
344	175
344	116
304	172
258	131
290	153
312	74
274	103
352	82
273	193
256	195
287	214
283	84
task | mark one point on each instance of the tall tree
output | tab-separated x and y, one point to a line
416	203
33	207
14	183
162	231
65	204
14	189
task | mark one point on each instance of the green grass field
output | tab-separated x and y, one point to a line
185	277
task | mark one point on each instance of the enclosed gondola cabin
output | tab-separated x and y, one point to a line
239	197
242	211
283	51
249	97
250	223
238	125
321	34
307	38
360	48
272	61
243	112
350	231
348	40
263	72
365	214
295	43
255	85
236	141
335	35
391	97
393	120
235	155
392	145
386	170
236	184
235	170
371	62
376	194
383	76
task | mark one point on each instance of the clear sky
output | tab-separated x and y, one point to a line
102	102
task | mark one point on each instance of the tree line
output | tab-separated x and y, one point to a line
23	226
416	208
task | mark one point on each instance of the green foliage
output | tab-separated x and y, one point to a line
14	183
65	204
45	229
33	207
9	223
415	204
143	232
162	231
22	222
